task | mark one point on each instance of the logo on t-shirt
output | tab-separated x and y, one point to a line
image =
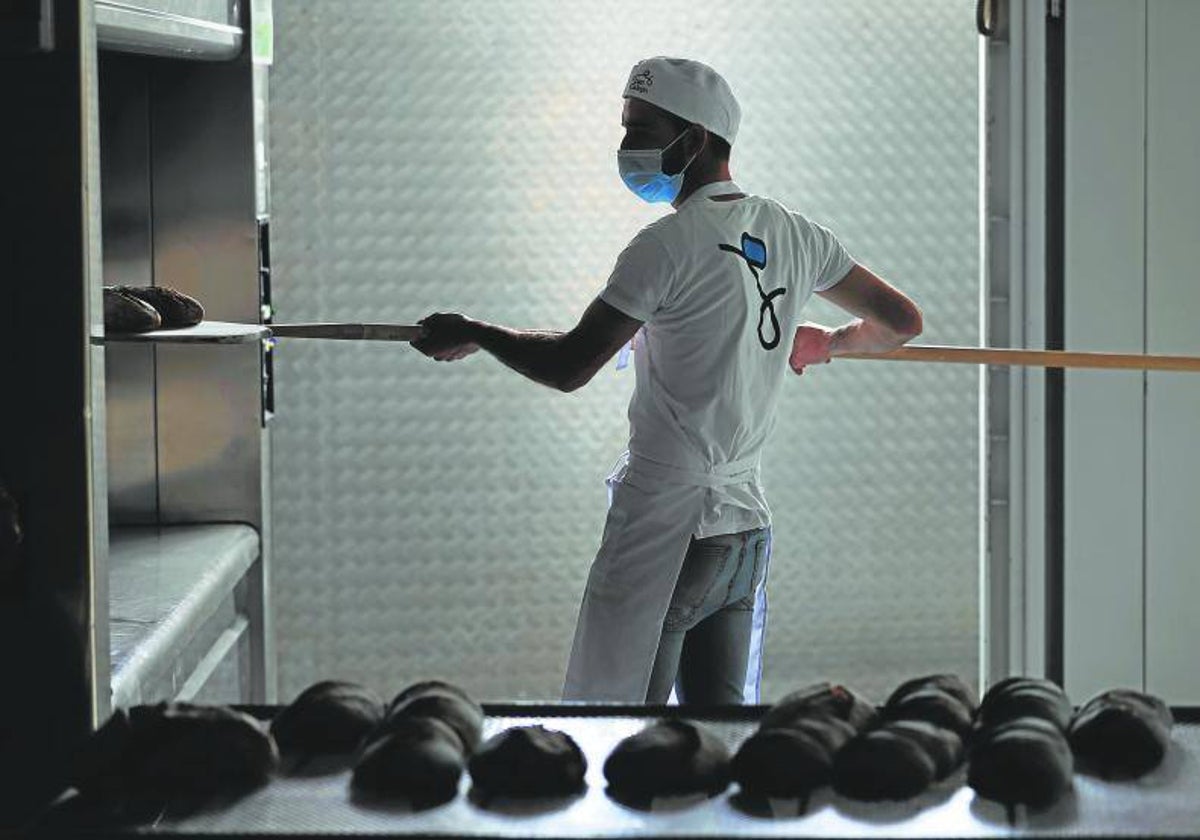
754	252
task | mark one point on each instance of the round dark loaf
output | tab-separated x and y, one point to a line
328	717
944	746
418	758
824	698
666	758
174	307
932	705
529	761
441	700
1017	697
1025	761
124	313
949	683
1121	734
175	756
883	764
790	762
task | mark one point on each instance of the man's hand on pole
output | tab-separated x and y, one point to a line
447	336
811	345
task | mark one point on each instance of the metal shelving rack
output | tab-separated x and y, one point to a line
134	153
179	122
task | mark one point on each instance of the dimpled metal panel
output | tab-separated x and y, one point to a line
439	519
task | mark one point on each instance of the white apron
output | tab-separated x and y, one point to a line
653	511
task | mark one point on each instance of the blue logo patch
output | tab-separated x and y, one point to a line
754	252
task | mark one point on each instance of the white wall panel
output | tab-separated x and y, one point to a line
436	519
1104	307
1173	306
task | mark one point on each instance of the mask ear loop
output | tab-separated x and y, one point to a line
694	156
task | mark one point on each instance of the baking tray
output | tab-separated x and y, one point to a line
1165	803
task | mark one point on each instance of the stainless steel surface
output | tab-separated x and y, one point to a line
132	453
233	675
204	197
205	244
996	327
166	583
260	656
128	245
209	435
225	647
180	208
93	598
1165	803
199	29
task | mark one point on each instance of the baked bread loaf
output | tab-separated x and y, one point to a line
418	758
529	761
1121	734
948	683
1024	761
329	717
1017	697
944	746
124	313
444	701
883	763
174	756
932	705
174	307
420	748
824	698
790	761
667	758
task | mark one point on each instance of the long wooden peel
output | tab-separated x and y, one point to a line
221	332
348	332
908	353
1033	358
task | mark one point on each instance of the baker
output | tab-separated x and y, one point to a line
676	595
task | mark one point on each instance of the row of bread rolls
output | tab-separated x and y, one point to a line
1021	744
418	747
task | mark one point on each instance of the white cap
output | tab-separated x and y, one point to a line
688	89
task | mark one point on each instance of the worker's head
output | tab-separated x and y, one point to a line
680	119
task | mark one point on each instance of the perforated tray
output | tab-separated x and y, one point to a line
1165	803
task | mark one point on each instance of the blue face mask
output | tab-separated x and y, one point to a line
642	172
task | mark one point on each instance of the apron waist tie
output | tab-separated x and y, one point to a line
718	475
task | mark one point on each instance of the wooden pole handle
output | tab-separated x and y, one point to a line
1032	358
348	332
908	353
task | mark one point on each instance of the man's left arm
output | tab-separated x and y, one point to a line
564	361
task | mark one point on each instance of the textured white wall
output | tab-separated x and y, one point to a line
439	519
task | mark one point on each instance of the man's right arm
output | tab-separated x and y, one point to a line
887	318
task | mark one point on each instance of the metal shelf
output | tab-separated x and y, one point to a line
206	332
164	584
196	29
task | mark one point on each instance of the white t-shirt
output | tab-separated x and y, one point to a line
720	286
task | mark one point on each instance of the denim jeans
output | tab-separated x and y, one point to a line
705	645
